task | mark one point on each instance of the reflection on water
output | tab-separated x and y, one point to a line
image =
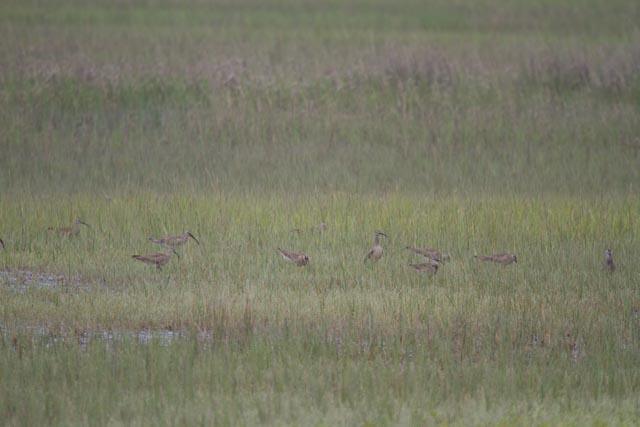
41	336
22	280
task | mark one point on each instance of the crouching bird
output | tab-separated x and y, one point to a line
298	259
504	259
158	259
430	267
74	230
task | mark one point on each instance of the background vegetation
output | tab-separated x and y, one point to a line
472	126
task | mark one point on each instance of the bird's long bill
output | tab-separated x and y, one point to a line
84	223
193	237
2	243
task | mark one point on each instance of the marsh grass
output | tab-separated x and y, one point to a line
474	127
476	335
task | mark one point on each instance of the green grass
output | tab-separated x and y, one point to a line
339	340
474	127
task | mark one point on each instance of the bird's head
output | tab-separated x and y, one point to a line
78	221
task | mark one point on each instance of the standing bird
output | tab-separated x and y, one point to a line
376	251
608	260
74	230
158	259
173	242
298	259
504	259
430	253
426	267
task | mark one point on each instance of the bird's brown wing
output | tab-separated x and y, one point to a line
425	267
369	255
291	256
415	250
503	258
157	257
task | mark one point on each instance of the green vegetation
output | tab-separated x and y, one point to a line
472	126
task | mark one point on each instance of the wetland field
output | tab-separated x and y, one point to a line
474	127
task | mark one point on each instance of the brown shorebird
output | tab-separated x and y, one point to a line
376	251
430	253
298	259
158	259
74	230
174	241
504	259
426	267
609	265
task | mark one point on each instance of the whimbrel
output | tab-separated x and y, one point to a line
376	251
174	241
74	230
504	259
426	267
298	259
158	259
609	265
430	253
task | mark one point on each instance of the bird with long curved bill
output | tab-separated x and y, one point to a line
74	230
174	241
376	251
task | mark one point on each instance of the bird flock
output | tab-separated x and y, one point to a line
432	258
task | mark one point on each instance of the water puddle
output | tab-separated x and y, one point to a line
162	337
41	336
22	280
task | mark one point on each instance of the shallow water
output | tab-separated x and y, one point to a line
42	336
22	280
